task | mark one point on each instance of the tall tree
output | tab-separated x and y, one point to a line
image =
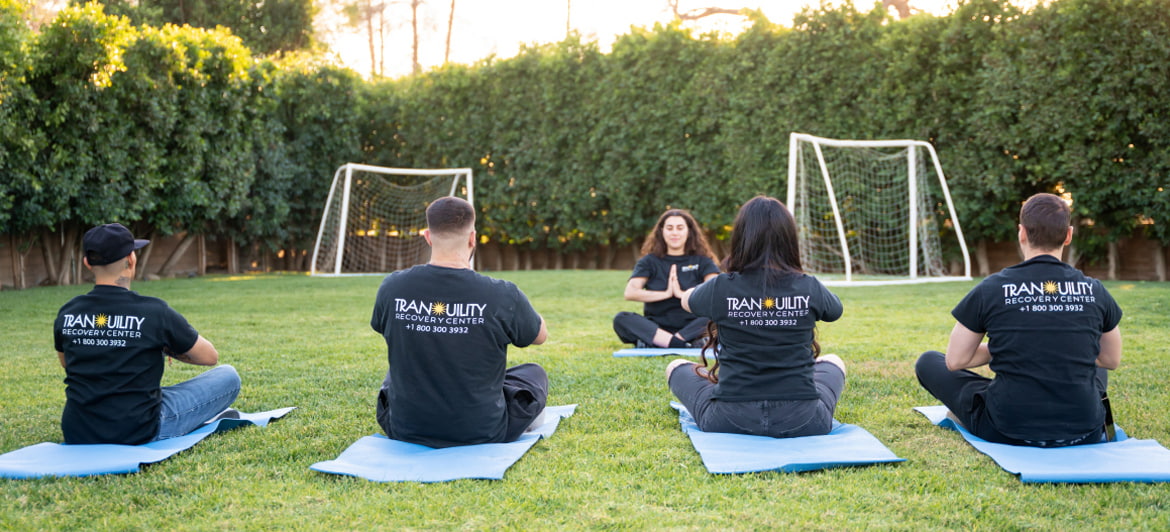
415	67
372	16
450	24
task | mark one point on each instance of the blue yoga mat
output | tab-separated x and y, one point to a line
660	352
1125	460
62	460
723	453
381	459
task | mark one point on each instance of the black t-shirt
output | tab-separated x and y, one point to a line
447	333
1043	320
113	341
766	332
692	269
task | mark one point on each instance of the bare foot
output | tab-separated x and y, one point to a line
834	360
674	364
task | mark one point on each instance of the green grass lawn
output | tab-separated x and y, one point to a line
620	462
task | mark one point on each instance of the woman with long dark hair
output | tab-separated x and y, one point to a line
768	378
676	257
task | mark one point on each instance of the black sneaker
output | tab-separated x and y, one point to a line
640	344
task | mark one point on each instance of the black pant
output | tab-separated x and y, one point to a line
631	327
962	392
525	396
526	393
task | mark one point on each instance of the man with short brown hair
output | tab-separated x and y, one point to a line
1052	334
447	331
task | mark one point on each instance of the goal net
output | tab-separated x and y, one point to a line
374	216
873	212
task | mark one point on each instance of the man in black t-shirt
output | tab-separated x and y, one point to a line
447	331
1052	334
113	343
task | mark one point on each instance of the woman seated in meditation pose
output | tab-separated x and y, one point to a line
676	257
768	378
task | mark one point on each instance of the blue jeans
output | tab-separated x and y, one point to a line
188	404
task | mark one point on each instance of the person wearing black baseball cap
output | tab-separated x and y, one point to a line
108	243
113	344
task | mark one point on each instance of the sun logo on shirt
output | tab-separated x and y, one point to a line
1049	287
769	302
101	320
438	308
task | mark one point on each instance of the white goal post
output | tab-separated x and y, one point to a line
873	212
374	215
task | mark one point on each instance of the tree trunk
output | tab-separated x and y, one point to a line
1114	260
1160	262
18	274
415	67
981	258
299	263
66	255
382	41
608	253
144	257
450	24
233	257
201	248
75	264
177	254
719	247
512	261
1072	256
48	246
370	34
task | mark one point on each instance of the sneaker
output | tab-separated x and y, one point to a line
229	413
640	344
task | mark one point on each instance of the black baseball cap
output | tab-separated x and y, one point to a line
107	243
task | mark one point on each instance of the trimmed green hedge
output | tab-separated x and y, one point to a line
178	129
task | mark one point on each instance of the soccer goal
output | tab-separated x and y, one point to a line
374	216
874	212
